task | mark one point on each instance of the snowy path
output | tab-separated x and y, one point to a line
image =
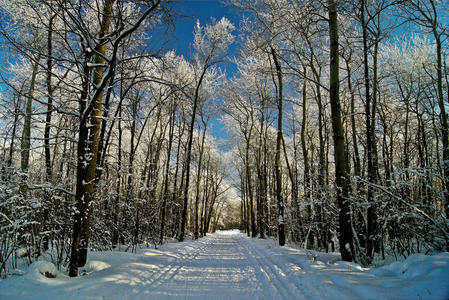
229	265
224	267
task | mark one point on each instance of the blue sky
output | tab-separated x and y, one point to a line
204	11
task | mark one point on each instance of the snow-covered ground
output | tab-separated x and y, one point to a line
228	265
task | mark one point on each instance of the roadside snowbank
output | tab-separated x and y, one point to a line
41	268
93	266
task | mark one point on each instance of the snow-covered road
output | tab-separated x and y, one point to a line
224	266
228	265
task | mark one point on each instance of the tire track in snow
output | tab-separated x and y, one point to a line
173	269
272	277
283	274
318	276
266	278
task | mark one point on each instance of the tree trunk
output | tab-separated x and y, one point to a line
49	101
175	195
130	174
249	189
167	170
205	202
260	172
357	164
294	187
26	133
443	120
189	156
14	128
48	127
115	213
345	230
305	154
198	180
88	137
277	161
371	214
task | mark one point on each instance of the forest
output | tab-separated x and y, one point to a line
332	120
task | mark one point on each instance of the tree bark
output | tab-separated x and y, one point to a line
48	168
277	161
345	230
262	195
371	213
88	137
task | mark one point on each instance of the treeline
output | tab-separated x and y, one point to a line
338	114
105	136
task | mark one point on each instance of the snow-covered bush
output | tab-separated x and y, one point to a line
18	219
39	268
94	266
410	215
34	221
